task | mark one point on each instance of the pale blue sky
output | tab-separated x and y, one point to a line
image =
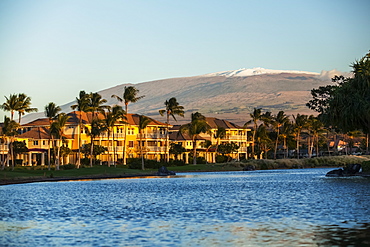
52	49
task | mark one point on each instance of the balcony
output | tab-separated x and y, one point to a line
151	136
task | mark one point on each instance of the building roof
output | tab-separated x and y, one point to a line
40	133
178	136
36	133
215	123
132	119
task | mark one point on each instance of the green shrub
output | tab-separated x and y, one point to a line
176	163
68	166
365	166
135	163
221	159
200	160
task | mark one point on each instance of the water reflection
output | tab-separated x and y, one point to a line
270	208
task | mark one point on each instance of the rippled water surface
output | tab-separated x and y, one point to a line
270	208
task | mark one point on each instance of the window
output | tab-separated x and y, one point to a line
162	131
131	144
35	143
44	142
130	131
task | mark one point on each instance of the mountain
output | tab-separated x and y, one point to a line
230	95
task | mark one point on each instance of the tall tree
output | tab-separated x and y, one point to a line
111	117
82	105
57	130
348	105
263	140
51	111
219	134
97	127
24	106
9	130
129	96
143	123
286	132
300	122
278	121
172	108
256	116
197	126
11	105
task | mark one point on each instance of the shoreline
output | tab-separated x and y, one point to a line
127	176
61	179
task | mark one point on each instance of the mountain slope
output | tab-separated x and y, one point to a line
230	95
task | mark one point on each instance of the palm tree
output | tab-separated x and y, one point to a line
24	106
10	130
315	129
11	104
172	108
97	128
111	117
286	131
51	110
197	126
220	134
256	116
143	123
82	105
57	130
129	95
278	121
300	122
95	104
263	140
120	116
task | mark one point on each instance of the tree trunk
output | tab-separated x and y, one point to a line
167	139
194	152
286	149
141	151
125	141
317	146
49	154
57	160
11	153
298	136
114	149
79	143
276	143
109	157
254	138
91	151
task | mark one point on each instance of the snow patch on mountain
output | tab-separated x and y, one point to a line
256	71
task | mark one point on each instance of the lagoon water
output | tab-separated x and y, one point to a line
255	208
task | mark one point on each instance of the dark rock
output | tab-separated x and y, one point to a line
349	170
162	171
352	169
335	173
249	168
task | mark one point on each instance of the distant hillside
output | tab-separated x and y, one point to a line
230	95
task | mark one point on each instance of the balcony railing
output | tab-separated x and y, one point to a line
151	136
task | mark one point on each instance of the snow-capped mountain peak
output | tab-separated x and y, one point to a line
257	71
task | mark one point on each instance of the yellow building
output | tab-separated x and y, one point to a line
153	138
151	143
234	134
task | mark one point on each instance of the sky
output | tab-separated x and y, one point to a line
52	49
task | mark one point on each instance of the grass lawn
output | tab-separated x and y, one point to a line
38	172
